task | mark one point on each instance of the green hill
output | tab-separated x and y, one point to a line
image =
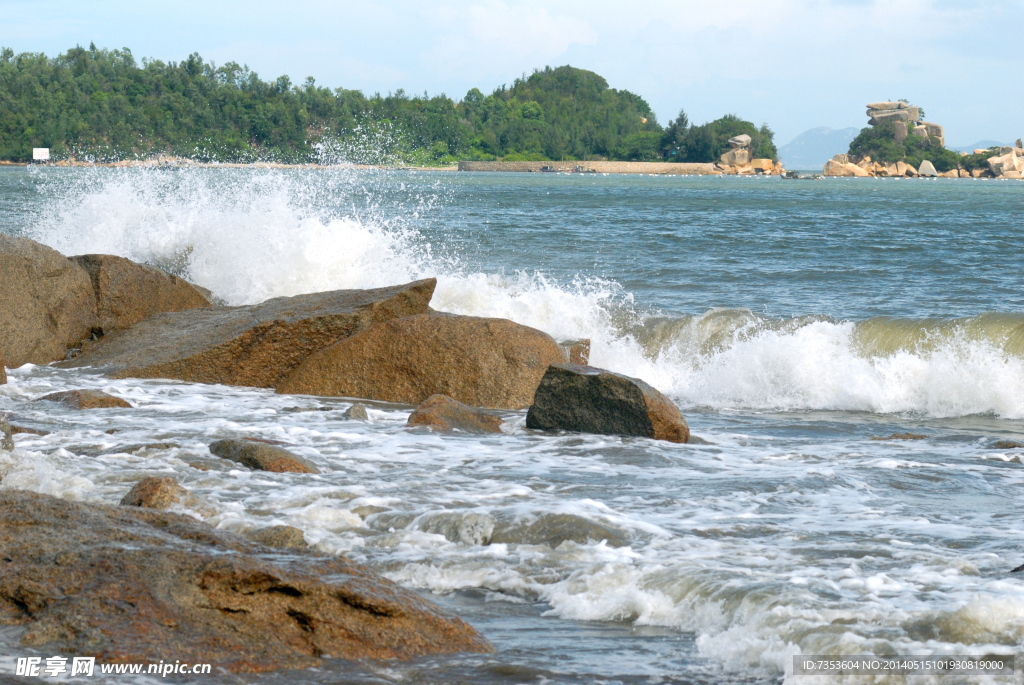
104	105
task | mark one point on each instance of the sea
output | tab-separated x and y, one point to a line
850	353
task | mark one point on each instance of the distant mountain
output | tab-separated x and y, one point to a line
980	145
811	149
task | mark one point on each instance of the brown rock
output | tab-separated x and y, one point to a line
283	537
6	435
444	414
481	362
127	293
256	345
3	370
85	399
576	351
964	173
588	400
834	168
163	492
46	303
126	584
1007	445
903	436
762	165
262	457
736	157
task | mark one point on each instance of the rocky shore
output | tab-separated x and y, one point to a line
134	583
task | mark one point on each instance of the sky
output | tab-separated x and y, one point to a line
793	64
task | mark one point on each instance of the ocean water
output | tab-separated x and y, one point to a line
793	322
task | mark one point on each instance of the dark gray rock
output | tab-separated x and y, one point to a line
356	412
589	400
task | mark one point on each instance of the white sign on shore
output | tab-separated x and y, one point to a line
40	154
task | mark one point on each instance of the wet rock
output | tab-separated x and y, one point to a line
19	428
261	456
162	493
137	585
481	362
257	345
85	399
357	412
283	537
554	529
576	351
927	169
3	371
1007	445
589	400
444	414
903	436
1018	569
46	303
6	435
470	528
127	293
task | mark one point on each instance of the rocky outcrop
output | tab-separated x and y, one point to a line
127	293
85	399
283	537
837	168
1009	163
46	303
589	400
738	157
128	584
493	363
261	456
257	345
740	142
446	415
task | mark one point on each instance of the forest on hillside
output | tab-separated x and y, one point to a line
103	105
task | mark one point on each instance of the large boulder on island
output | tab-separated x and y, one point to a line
46	303
127	293
492	363
137	585
926	169
585	399
256	345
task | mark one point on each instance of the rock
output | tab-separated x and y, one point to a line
356	412
1000	164
6	435
46	303
85	399
576	351
283	537
762	165
1007	445
892	170
588	400
136	585
261	456
899	131
162	493
256	345
740	142
952	173
1018	144
736	157
881	116
1013	174
444	414
841	158
554	529
964	173
978	173
469	528
3	371
903	436
920	132
481	362
28	430
834	168
127	293
887	105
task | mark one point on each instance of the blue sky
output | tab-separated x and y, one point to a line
795	64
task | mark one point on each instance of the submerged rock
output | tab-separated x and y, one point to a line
283	537
3	370
262	456
85	399
127	293
136	585
444	414
481	362
1007	445
256	345
470	527
902	436
589	400
554	529
46	303
357	412
6	435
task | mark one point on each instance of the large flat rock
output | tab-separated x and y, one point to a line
126	584
256	345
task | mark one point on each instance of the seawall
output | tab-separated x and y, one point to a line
596	167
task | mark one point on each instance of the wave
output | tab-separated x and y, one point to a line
249	235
